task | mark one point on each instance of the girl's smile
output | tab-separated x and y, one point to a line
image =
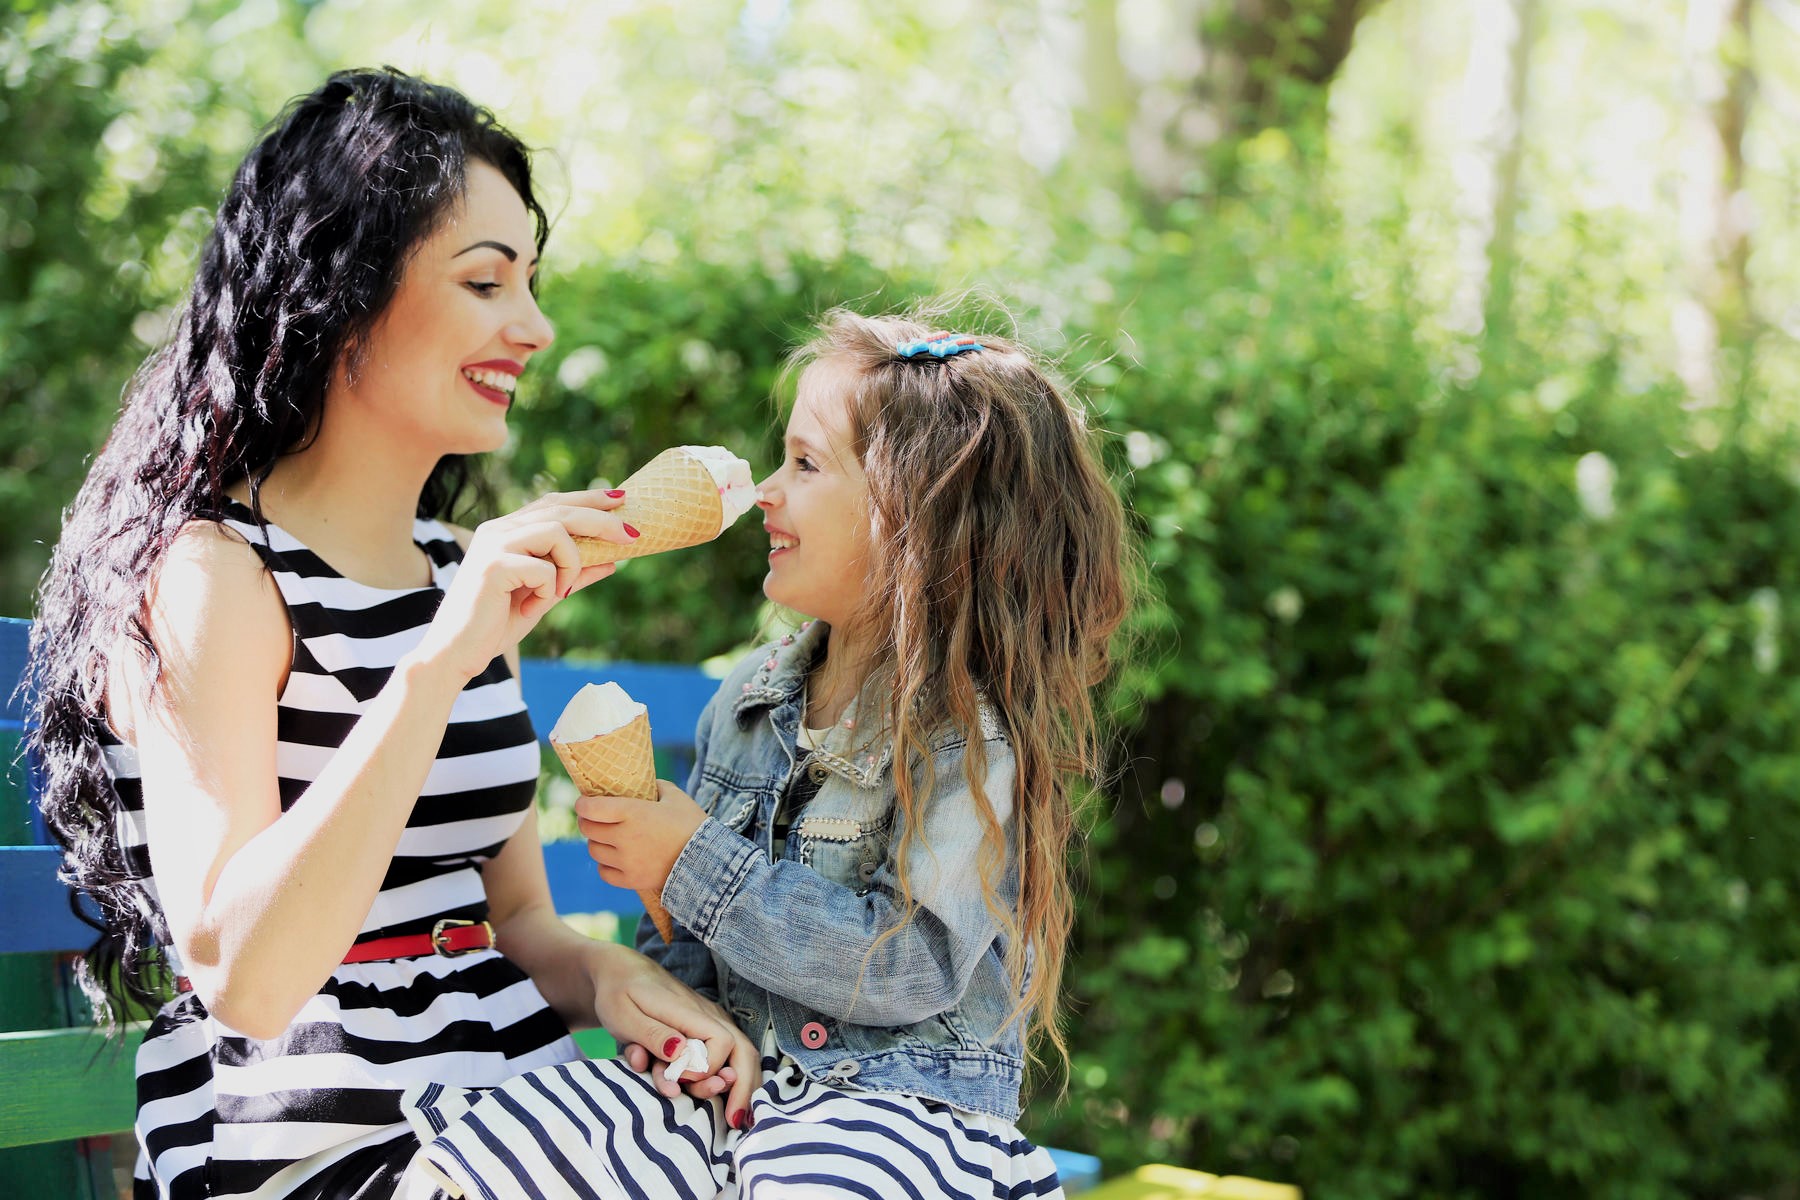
816	507
780	540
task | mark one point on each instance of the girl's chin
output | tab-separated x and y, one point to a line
776	594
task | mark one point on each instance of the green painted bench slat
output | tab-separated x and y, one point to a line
63	1084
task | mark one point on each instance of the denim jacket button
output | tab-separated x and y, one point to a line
867	871
817	772
812	1035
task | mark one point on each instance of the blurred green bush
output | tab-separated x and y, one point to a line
1453	852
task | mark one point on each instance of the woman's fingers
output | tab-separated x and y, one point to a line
746	1066
527	573
601	498
580	521
593	575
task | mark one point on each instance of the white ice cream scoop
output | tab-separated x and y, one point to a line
737	489
596	709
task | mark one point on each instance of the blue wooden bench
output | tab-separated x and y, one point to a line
67	1089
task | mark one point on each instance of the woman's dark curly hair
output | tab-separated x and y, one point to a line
307	251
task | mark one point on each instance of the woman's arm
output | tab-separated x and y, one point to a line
262	905
261	909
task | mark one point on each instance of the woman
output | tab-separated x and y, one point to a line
279	713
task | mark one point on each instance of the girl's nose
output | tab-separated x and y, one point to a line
767	493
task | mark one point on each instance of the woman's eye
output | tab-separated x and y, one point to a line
484	289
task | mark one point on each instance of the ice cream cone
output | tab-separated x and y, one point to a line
673	501
618	763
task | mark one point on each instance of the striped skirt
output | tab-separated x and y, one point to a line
597	1130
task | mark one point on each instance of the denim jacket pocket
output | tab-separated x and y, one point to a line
726	799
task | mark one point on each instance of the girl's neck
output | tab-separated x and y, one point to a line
834	681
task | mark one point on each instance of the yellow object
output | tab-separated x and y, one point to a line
672	501
620	763
1159	1182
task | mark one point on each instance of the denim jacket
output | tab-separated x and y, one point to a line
783	940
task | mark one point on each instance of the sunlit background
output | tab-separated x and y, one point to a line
1446	351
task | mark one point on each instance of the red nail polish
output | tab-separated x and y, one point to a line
737	1119
617	493
671	1047
630	530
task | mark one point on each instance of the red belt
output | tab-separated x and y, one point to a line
448	939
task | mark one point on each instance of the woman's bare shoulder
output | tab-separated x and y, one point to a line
216	619
212	600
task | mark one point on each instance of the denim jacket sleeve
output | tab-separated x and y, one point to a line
686	958
789	929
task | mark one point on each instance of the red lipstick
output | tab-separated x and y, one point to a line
505	366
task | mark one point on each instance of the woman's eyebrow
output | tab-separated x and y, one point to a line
511	254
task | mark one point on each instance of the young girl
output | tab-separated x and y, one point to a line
871	874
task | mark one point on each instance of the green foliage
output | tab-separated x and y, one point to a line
1448	858
108	179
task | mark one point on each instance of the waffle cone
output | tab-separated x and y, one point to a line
672	501
620	763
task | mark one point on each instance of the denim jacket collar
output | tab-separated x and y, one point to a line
780	680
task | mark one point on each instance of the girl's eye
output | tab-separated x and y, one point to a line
484	289
804	463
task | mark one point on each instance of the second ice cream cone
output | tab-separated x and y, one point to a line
618	763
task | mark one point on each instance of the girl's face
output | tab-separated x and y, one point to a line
443	358
816	507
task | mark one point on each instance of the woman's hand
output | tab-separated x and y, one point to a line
642	1005
636	842
515	569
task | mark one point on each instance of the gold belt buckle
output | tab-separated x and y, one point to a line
440	938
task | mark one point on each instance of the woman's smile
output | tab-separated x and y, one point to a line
494	381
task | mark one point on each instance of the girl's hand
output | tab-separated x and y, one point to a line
636	842
641	1005
515	569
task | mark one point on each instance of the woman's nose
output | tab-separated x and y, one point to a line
533	329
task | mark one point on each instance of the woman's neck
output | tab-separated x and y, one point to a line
351	503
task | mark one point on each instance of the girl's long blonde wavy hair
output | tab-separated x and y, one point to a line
1000	571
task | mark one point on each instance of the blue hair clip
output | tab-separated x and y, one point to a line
943	347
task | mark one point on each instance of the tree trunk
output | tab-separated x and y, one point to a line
1211	73
1715	309
1496	91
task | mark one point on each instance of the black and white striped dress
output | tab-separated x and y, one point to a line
316	1111
597	1130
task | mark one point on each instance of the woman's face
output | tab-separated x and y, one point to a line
462	325
816	507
